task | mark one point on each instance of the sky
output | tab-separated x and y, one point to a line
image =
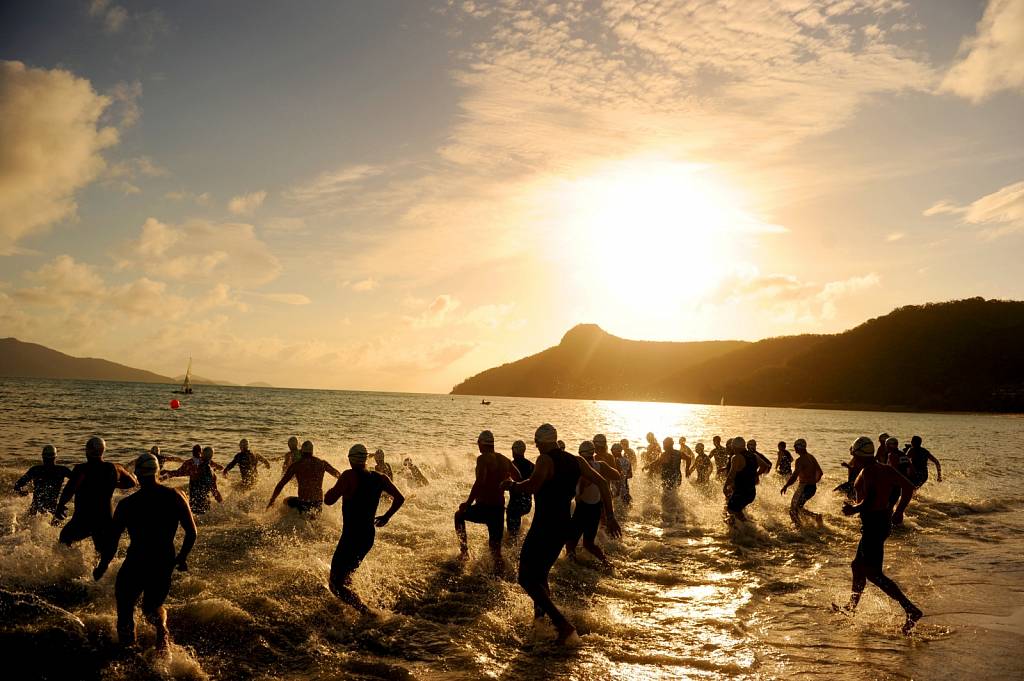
397	195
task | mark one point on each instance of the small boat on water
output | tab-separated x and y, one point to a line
484	402
186	385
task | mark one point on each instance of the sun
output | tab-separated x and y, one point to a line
660	234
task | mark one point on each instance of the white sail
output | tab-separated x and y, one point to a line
186	386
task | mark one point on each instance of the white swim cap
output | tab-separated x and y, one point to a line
863	447
546	433
892	442
147	465
357	454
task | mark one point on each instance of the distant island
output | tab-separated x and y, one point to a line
965	355
19	359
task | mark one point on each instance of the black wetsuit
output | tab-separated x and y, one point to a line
918	465
552	521
744	487
200	488
704	467
46	480
358	532
519	504
671	472
875	529
247	466
785	463
151	517
93	503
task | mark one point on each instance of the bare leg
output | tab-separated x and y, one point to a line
342	588
158	618
541	595
595	551
460	532
499	560
858	582
893	591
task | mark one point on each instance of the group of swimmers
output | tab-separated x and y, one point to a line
880	487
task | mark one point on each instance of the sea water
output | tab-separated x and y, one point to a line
689	597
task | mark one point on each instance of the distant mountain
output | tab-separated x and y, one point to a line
29	360
199	380
958	356
258	384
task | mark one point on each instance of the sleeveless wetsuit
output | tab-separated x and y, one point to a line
551	521
358	532
671	472
94	507
919	465
46	483
744	484
519	504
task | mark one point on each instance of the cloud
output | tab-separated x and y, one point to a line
326	187
52	144
436	313
894	236
246	204
788	298
62	281
1002	210
204	199
114	17
125	103
143	27
361	286
285	298
200	250
992	60
123	174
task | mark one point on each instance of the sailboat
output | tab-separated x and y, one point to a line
186	385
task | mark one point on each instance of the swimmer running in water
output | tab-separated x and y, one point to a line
292	455
784	460
492	469
741	482
518	504
360	491
806	474
587	516
702	464
873	485
602	454
620	487
309	471
553	484
92	484
919	458
247	462
46	479
202	481
151	516
382	466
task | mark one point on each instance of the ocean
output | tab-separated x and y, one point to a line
689	597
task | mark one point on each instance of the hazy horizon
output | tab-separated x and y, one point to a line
395	196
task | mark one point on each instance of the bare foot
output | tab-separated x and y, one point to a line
568	637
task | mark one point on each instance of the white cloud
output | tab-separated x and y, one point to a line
992	60
286	298
246	204
62	281
895	236
328	186
200	250
436	313
788	298
52	144
1002	211
361	286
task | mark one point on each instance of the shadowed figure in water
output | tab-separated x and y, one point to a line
46	479
92	484
151	516
553	485
202	481
518	504
587	516
309	471
360	491
486	501
247	462
806	474
741	483
873	488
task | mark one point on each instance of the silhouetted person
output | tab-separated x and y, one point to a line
587	515
651	455
764	466
92	484
360	491
720	455
292	455
881	454
486	501
202	481
630	454
620	487
919	458
519	504
309	471
702	464
382	466
413	472
247	462
553	485
806	474
784	460
151	516
873	485
669	464
601	452
46	479
163	458
741	482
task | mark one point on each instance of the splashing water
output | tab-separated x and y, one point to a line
689	597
